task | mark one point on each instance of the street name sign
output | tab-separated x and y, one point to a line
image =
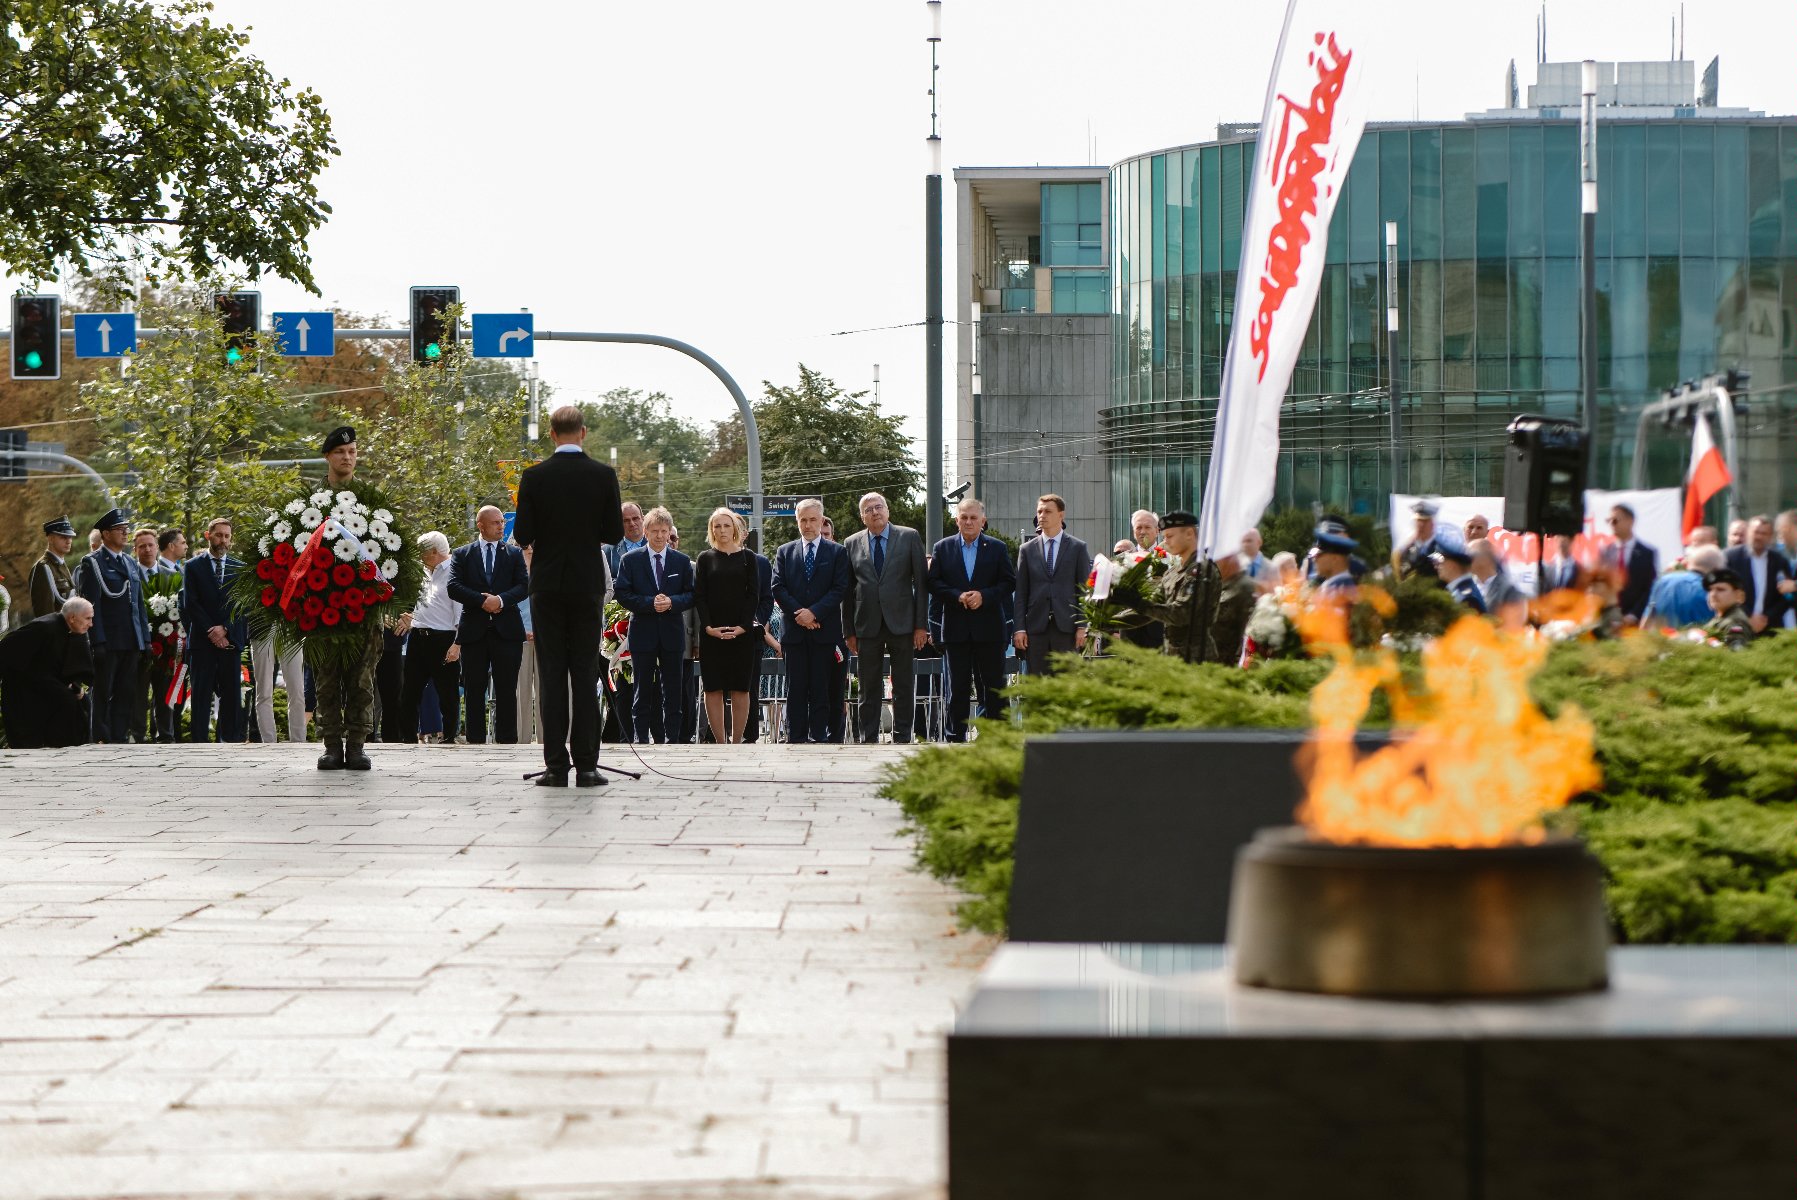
771	506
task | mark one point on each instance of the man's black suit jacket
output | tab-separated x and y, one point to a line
468	582
1777	567
570	509
1639	573
992	578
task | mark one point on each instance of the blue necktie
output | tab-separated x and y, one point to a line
489	546
879	554
1051	546
810	558
658	573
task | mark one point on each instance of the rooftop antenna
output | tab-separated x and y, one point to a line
1681	32
1544	31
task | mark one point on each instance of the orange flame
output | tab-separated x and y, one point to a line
1473	761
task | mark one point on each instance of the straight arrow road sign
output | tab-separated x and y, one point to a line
305	334
504	335
105	335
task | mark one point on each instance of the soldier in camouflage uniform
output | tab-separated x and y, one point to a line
1234	607
1185	598
345	689
1731	626
51	580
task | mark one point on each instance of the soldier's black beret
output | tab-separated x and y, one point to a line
1722	575
1179	518
343	435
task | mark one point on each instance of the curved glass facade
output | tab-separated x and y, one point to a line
1696	272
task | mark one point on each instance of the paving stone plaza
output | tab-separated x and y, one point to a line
225	974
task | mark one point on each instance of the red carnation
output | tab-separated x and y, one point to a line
318	580
334	600
343	574
284	554
354	614
307	622
312	606
270	595
330	616
265	569
368	570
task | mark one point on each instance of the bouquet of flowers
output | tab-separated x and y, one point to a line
614	644
327	564
162	606
1116	594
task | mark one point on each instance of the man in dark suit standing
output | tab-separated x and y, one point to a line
568	509
656	584
216	636
885	614
971	578
1050	569
1767	578
112	582
489	580
1640	565
811	577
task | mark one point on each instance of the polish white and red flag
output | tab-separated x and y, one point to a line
1707	475
1308	131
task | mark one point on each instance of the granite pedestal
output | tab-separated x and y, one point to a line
1146	1072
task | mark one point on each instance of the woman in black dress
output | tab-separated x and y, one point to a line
724	590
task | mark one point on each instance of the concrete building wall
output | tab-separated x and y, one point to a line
1045	376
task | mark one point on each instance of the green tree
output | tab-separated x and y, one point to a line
188	426
818	440
646	432
122	118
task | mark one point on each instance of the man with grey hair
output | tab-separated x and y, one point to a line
885	614
811	577
656	584
1145	528
45	669
432	655
971	580
489	580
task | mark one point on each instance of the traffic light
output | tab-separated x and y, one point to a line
239	316
37	337
433	333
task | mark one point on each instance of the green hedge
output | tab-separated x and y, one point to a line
1696	823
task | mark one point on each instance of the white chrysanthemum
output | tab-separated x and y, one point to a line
354	523
321	498
346	499
263	546
271	517
311	518
389	569
300	539
281	532
344	551
166	628
377	529
361	508
294	507
392	542
383	516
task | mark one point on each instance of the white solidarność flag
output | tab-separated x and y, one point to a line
1308	133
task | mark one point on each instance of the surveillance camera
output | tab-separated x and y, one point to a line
958	492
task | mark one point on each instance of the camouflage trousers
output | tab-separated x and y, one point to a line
346	691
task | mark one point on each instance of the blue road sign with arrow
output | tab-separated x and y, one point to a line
105	335
305	334
504	335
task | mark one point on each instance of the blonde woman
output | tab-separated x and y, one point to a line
725	587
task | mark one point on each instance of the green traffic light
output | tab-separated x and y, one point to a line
433	351
233	355
33	360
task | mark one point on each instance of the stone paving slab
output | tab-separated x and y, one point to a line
225	974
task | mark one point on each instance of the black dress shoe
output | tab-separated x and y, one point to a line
589	779
553	779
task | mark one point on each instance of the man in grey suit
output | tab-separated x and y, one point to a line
1050	569
885	614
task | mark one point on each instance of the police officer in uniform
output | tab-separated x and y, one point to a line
51	580
1334	556
345	688
1456	570
1413	557
1186	596
1731	625
112	582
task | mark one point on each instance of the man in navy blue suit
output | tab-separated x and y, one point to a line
216	636
1767	577
1640	564
489	580
971	581
811	576
656	584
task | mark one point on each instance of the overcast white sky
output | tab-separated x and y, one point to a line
748	177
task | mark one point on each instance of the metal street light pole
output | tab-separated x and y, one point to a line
932	287
1394	381
1588	259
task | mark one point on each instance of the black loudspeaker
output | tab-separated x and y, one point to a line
1544	476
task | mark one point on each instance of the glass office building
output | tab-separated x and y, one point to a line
1696	272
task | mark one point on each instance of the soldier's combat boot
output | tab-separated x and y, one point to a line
332	758
355	758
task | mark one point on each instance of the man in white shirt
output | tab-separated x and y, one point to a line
1767	574
432	655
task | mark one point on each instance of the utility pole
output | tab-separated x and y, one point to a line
1394	381
932	287
661	483
1588	260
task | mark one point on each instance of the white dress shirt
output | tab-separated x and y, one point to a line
435	608
1756	563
